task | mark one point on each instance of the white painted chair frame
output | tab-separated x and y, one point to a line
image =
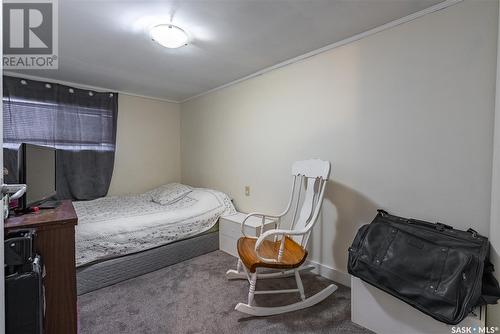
312	172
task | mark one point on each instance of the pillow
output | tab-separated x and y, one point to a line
169	193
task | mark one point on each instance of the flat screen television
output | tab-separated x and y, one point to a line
38	171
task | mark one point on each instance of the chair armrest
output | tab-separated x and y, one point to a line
257	214
275	232
260	214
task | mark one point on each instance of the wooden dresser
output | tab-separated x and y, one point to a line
55	242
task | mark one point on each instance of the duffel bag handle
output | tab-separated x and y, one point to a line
423	223
438	226
442	227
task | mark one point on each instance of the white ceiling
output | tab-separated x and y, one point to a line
107	44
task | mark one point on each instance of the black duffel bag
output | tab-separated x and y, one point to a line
433	267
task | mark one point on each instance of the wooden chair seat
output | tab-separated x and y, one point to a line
293	256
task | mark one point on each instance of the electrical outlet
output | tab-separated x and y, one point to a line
247	190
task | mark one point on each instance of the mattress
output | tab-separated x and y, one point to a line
95	276
113	227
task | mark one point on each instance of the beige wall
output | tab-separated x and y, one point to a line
405	116
147	145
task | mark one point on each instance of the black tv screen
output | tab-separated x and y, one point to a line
38	172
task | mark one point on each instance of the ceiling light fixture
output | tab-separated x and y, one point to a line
169	36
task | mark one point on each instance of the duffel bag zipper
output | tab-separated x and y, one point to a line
440	233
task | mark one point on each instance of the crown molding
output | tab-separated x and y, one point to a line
389	25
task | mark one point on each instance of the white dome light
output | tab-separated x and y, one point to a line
169	36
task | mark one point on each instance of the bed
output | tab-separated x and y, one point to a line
121	237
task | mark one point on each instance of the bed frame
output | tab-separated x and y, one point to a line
99	275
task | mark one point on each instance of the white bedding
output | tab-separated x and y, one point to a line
113	226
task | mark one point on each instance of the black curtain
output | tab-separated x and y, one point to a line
80	124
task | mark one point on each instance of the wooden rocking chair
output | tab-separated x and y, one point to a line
286	251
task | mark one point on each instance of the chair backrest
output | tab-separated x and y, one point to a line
312	176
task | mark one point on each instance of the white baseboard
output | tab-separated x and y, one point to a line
331	273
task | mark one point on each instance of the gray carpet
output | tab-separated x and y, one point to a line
194	297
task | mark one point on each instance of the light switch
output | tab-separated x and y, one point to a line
247	190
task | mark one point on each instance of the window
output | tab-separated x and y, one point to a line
80	124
